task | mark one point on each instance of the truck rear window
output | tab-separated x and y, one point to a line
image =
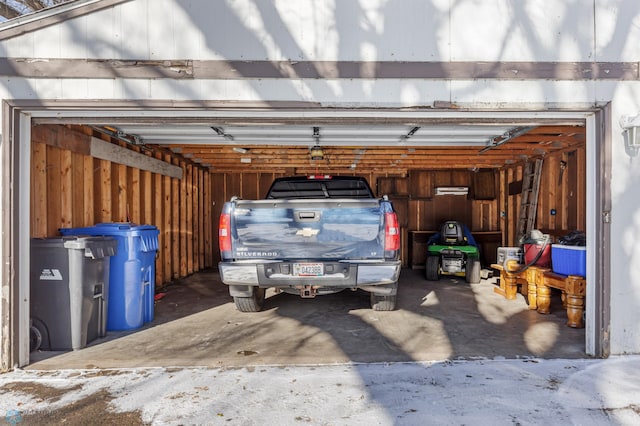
337	188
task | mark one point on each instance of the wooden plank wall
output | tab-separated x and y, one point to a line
70	189
561	201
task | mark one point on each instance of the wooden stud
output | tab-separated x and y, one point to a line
134	195
199	260
78	194
581	189
88	200
182	224
264	183
167	224
249	186
119	200
174	208
188	218
103	211
207	220
54	183
38	190
547	198
157	212
66	190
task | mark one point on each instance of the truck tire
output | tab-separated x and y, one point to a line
433	268
251	304
35	338
383	303
472	273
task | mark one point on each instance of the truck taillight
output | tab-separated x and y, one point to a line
391	232
224	233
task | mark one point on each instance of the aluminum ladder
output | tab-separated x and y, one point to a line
529	198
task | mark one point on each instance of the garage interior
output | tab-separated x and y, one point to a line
432	169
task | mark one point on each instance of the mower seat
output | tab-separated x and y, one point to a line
452	233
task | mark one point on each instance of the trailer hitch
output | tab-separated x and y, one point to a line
307	292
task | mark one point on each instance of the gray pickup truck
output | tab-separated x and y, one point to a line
311	236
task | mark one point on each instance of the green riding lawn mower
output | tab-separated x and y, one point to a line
453	251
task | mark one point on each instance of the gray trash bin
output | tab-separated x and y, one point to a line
69	288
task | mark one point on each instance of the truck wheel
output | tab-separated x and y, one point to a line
35	338
472	273
251	304
383	303
433	268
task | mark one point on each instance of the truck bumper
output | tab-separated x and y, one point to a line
341	274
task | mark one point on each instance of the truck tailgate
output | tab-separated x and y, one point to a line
308	229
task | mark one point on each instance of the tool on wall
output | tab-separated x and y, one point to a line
563	166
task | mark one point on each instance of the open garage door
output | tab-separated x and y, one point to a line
302	140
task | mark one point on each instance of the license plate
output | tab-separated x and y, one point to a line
308	269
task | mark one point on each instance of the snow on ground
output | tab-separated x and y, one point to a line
478	392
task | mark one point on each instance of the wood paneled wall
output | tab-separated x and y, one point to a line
70	189
561	201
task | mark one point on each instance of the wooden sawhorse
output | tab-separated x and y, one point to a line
511	277
536	284
573	294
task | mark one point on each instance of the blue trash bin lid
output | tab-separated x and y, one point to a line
110	228
124	226
147	233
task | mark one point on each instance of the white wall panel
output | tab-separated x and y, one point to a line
70	35
19	47
104	87
188	39
103	34
48	88
76	88
617	30
496	92
161	37
504	30
18	88
625	228
131	89
348	30
133	22
46	42
370	93
183	90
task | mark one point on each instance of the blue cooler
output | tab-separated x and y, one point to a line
569	260
132	272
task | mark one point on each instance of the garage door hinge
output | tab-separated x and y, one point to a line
606	217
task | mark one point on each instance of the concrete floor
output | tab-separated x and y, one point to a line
196	324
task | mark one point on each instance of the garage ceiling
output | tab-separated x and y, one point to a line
388	142
348	148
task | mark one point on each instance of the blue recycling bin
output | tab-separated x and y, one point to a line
132	272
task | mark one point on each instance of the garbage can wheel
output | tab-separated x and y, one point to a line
35	338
